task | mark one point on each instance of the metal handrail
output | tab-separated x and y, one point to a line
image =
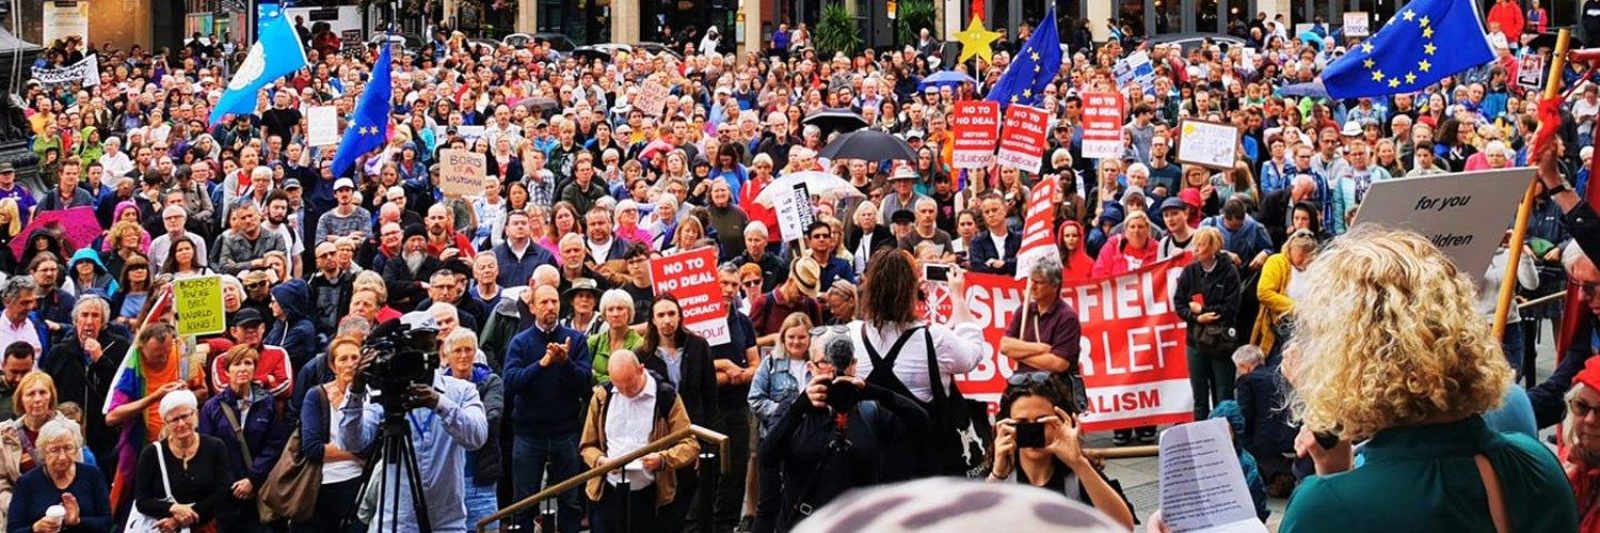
612	464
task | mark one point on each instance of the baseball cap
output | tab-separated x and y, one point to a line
343	183
291	183
1174	203
246	317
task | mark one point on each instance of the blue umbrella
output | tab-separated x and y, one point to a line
945	77
1312	89
1312	37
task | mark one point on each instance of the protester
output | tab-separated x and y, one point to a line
548	369
63	479
251	426
1207	297
183	478
459	352
321	424
778	382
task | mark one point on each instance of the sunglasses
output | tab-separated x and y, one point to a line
751	283
1029	378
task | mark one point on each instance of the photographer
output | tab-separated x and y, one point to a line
1039	443
832	440
445	420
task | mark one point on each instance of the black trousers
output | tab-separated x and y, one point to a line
607	514
335	501
727	494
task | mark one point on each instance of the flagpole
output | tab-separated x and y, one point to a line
1519	232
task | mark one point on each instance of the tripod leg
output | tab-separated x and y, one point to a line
414	475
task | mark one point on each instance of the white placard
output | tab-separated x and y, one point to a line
1463	214
794	213
322	126
1202	483
64	20
1208	144
1356	25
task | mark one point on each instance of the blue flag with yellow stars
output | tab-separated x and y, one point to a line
1425	42
369	127
275	54
1033	68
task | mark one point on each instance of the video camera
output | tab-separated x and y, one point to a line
404	353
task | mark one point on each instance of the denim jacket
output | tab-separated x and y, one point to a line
773	389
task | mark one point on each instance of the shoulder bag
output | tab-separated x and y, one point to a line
290	490
139	522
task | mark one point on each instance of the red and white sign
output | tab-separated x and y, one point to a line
1102	125
976	127
691	277
1038	228
1022	139
1133	344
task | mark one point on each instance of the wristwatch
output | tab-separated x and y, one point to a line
1550	192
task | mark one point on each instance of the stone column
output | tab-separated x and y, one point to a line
750	10
1098	13
624	21
527	16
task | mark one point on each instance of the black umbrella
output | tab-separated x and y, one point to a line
871	145
1548	40
835	119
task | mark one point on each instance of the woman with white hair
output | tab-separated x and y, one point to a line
616	308
65	481
194	466
459	354
34	401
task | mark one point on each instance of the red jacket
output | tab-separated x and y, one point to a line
1509	15
1117	257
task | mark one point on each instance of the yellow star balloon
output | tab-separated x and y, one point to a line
975	41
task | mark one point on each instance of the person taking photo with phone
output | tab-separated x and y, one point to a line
1038	442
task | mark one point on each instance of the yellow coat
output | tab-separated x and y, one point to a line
1272	291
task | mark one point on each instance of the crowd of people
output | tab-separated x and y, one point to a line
557	355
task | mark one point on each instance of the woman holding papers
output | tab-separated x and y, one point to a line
1389	349
1039	443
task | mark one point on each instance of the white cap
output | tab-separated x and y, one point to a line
343	183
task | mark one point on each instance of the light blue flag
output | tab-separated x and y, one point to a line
275	54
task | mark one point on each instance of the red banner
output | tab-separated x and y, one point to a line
1038	228
975	125
1102	125
691	277
1022	139
1133	346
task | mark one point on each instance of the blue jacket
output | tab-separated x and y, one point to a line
547	400
297	332
1251	238
515	272
266	430
773	389
983	250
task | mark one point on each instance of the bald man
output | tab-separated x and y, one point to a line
645	409
548	372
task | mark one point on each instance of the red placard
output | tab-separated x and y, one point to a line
691	277
1102	125
976	128
1022	139
1133	357
1038	228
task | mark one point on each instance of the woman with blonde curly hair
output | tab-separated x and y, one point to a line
1389	349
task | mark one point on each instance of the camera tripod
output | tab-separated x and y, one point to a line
399	457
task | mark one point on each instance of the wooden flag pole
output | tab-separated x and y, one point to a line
1519	232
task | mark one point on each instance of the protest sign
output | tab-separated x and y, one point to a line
1022	139
1202	482
1133	346
652	98
1208	144
794	212
198	301
1530	71
1102	125
350	42
691	277
86	71
1038	228
1463	214
1356	25
1135	68
322	126
461	173
61	20
976	125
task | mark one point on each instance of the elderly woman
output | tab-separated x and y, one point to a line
1581	433
35	403
1280	287
66	481
616	307
191	484
250	426
484	466
1389	349
321	415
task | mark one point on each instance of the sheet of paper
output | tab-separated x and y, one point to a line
1202	484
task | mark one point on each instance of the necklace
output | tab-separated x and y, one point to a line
184	451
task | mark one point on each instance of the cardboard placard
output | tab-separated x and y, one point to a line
461	173
1102	125
1464	214
976	127
652	98
1022	138
691	277
322	126
198	302
1135	68
1208	144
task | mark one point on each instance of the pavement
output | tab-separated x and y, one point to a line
1140	476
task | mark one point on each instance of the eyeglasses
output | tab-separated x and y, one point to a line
1029	378
820	236
1588	289
1581	409
59	451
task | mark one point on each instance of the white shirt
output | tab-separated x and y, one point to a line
999	243
957	350
599	252
628	425
337	471
23	332
161	246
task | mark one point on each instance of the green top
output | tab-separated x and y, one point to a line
1424	478
600	348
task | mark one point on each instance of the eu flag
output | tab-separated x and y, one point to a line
275	54
1425	42
1033	68
370	125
